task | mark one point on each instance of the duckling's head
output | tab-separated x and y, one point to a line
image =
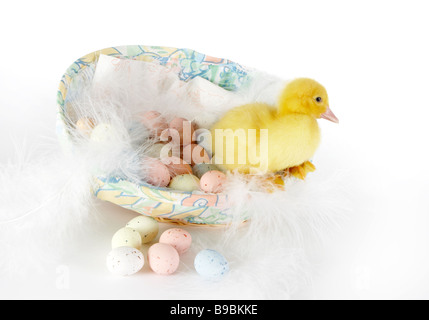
306	96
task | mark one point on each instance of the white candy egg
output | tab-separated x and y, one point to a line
147	227
103	132
127	237
124	261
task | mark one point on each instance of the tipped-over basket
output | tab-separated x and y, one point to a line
163	204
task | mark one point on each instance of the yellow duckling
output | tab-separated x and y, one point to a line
291	134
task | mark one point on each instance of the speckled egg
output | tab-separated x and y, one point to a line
204	139
148	227
179	239
213	181
158	150
211	265
154	122
184	128
85	125
127	237
103	132
155	172
124	261
195	154
185	182
177	166
138	133
201	168
163	258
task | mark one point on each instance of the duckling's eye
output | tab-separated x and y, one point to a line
319	99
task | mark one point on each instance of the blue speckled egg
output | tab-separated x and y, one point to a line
211	264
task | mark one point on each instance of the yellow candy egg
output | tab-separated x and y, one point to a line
127	237
185	182
147	227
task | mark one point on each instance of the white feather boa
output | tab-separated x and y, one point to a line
46	203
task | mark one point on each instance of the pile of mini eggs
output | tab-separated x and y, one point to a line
174	159
126	257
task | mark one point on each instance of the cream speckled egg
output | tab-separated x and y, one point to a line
127	237
148	227
213	181
179	239
185	182
163	258
103	133
124	261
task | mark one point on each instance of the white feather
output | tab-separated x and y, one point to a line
46	200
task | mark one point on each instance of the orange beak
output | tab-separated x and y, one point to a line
329	115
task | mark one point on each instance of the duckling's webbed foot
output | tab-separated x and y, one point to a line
302	170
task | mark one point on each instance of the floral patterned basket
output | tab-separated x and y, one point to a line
163	204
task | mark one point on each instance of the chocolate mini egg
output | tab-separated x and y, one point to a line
127	237
124	261
147	227
154	122
177	166
155	172
185	182
178	238
211	265
213	181
85	125
195	154
163	258
201	168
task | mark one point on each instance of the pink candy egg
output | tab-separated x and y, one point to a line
177	166
154	122
184	129
212	181
163	258
195	154
178	238
156	172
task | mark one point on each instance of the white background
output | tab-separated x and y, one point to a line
372	56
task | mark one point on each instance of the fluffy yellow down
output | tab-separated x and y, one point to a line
293	133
